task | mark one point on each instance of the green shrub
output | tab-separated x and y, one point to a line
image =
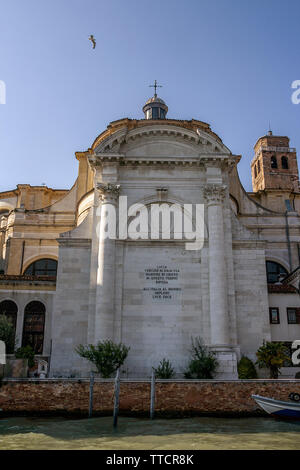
203	363
7	334
164	370
106	355
26	352
246	369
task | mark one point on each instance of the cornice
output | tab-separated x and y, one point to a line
75	242
213	159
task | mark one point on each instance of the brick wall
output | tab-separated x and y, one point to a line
66	397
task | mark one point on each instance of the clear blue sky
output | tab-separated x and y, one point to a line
227	62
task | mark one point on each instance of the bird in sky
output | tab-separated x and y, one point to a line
91	38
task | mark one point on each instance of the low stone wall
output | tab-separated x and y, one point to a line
173	398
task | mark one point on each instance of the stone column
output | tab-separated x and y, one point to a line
214	195
105	292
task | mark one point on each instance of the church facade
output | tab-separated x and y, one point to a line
65	282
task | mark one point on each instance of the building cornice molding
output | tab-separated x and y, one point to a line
74	242
214	159
236	243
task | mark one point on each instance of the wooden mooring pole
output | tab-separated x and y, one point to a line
152	400
117	396
92	379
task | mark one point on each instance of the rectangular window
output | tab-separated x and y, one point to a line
292	316
274	316
154	113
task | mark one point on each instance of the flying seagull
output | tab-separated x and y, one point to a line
91	38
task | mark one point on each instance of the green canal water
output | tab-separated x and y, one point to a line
160	434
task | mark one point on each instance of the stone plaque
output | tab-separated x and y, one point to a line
162	284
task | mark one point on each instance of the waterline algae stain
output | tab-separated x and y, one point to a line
138	434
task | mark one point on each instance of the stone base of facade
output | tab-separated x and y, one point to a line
227	359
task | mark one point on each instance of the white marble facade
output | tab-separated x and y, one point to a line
107	289
153	293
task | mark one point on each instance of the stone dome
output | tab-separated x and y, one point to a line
155	99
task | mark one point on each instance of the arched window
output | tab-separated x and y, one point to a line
274	270
284	163
258	166
34	324
274	162
42	267
10	310
255	171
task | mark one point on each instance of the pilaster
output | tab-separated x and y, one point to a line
105	290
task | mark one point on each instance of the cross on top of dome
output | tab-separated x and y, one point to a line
155	86
155	108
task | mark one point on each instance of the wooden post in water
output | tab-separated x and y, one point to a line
92	379
152	400
116	401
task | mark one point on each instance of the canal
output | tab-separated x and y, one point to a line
161	434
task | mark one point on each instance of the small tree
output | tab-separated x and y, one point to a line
272	356
106	355
26	352
7	334
246	369
164	370
203	363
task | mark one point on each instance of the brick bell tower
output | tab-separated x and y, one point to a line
274	166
